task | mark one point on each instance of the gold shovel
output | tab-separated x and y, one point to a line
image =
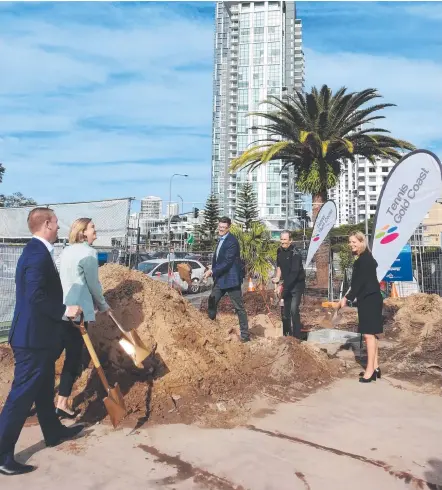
132	344
114	401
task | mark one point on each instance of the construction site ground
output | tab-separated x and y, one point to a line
346	436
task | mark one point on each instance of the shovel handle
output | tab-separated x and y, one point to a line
92	352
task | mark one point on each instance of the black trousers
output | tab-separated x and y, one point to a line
34	378
73	366
291	319
235	296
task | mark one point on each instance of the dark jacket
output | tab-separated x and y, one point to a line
295	273
364	280
39	304
227	269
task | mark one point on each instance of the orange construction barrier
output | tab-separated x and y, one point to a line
251	285
393	292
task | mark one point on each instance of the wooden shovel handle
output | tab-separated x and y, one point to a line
92	352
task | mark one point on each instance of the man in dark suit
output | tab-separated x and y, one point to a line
289	268
228	276
35	338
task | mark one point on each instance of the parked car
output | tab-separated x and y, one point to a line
158	269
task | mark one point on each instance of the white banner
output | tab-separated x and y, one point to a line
110	218
407	195
325	220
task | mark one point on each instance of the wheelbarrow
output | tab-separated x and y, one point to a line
114	401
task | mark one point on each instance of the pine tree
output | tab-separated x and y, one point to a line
207	232
247	206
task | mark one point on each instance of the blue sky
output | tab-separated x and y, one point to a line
103	100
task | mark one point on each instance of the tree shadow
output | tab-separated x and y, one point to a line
121	370
433	475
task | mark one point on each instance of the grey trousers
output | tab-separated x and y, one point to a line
235	296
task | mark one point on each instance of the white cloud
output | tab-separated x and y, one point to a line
413	85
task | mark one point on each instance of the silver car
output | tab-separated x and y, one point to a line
158	269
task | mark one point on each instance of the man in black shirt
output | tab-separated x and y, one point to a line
290	270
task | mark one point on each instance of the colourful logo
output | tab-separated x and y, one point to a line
316	237
387	234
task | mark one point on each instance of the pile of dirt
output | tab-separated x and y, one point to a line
6	372
415	334
197	370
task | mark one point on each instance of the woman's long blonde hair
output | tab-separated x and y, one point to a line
76	234
360	237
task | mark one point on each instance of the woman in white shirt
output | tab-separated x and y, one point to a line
81	286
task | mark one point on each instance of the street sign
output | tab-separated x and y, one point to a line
401	270
190	240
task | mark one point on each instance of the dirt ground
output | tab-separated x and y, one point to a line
198	371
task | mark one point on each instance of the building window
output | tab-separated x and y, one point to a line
372	188
273	5
243	76
244	35
244	20
274	76
258	34
255	98
274	18
243	54
258	19
384	169
372	207
272	34
243	123
258	76
242	142
372	170
273	53
258	54
243	100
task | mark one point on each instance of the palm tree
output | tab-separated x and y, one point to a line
258	250
314	133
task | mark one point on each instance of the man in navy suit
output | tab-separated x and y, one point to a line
228	276
35	338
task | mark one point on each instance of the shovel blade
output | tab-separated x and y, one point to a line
115	405
134	350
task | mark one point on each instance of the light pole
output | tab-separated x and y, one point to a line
170	202
182	212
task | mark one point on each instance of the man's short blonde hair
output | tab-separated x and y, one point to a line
360	237
37	217
76	233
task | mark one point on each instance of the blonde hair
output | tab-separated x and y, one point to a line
360	237
76	233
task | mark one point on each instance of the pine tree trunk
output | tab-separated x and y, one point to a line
322	255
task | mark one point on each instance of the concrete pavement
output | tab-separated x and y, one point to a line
347	436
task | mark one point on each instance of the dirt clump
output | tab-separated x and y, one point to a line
197	370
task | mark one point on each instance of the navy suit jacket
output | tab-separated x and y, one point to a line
39	307
226	270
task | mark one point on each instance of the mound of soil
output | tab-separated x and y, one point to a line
416	335
197	369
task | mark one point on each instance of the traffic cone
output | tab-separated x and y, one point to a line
251	285
393	292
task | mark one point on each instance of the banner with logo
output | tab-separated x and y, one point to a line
325	220
407	195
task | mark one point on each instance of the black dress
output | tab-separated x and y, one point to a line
365	288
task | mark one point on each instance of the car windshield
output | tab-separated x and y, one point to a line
147	267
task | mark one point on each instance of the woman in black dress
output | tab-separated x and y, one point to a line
365	289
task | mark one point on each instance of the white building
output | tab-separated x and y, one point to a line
359	188
172	209
258	52
151	207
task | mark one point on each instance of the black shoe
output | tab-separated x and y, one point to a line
65	434
65	415
369	380
377	371
13	467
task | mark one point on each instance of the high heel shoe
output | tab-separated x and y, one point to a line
377	371
369	380
65	415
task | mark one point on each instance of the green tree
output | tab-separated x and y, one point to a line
15	200
2	171
247	206
258	250
314	133
207	232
